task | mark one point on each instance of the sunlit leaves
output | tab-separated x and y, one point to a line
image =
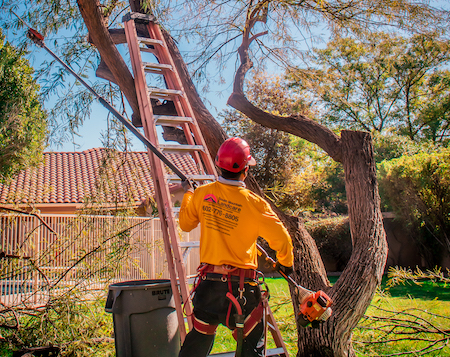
23	126
380	81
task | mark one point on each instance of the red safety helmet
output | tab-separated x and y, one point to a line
234	155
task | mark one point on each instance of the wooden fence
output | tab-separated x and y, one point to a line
44	254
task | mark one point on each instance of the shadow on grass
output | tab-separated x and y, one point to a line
427	290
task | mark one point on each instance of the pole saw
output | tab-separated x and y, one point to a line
38	39
314	307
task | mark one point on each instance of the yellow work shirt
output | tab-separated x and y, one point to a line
231	219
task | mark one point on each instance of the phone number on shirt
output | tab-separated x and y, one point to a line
218	212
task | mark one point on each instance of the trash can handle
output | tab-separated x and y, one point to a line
111	301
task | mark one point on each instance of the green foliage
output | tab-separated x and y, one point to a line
389	145
278	155
294	173
322	181
275	158
78	326
23	126
329	192
378	81
417	187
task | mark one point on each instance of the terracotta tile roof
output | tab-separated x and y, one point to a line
72	177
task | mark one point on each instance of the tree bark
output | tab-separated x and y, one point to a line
95	23
355	288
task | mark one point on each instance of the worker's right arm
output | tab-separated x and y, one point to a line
274	232
188	217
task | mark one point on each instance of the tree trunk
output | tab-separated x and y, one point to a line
354	290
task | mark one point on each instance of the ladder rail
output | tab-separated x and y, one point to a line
187	109
173	252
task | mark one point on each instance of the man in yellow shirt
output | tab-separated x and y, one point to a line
231	219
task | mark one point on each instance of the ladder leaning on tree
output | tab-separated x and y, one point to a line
181	119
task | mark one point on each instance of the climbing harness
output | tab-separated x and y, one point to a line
229	274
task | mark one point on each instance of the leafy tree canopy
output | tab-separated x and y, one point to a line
276	158
296	174
23	125
379	81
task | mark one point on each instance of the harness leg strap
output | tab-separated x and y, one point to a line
253	318
204	327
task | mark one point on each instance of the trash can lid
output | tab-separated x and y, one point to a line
133	284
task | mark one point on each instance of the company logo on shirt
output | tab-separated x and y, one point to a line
210	198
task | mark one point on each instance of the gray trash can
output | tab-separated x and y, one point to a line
145	319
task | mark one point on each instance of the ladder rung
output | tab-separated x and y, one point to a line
150	67
149	41
144	18
193	177
192	244
180	148
169	119
158	93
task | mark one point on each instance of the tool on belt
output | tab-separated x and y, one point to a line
314	307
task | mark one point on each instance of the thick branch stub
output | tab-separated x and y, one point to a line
101	38
298	125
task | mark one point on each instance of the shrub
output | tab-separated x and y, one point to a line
417	189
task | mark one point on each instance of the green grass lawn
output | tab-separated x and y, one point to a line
423	326
425	302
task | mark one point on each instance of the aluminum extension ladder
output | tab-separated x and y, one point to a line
195	147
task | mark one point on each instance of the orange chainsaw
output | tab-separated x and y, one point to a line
314	306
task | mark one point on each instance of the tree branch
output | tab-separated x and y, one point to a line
93	18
